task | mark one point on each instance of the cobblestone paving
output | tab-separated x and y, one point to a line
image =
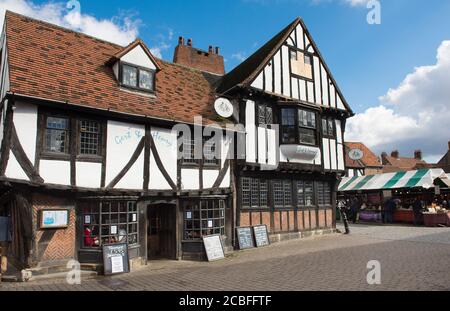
411	259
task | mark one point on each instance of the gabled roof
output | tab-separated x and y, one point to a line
53	63
245	73
130	47
369	159
403	163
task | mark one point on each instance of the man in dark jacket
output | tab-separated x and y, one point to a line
417	208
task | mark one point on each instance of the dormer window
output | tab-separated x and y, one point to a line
138	78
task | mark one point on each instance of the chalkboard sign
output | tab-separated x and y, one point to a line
115	259
261	236
245	237
213	247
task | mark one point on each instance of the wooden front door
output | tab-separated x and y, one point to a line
161	241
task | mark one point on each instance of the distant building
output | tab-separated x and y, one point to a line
395	163
444	163
360	160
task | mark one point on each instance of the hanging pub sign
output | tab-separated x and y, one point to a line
245	237
261	236
213	247
54	219
115	259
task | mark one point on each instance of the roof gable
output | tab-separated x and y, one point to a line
369	158
137	53
270	70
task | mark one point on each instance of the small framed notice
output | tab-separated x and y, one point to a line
54	219
87	219
213	247
245	237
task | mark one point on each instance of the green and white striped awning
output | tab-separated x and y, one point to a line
422	178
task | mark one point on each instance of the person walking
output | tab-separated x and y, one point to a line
343	211
355	210
417	209
389	208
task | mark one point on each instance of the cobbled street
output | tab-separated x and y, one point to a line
411	259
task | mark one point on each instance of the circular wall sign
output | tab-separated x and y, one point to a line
356	154
223	107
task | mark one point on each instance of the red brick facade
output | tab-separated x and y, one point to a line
53	244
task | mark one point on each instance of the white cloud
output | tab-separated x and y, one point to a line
240	56
120	30
357	2
413	115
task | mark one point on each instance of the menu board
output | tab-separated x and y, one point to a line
115	259
213	247
52	219
245	237
261	236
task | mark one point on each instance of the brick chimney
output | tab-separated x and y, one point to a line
449	145
418	154
209	61
395	154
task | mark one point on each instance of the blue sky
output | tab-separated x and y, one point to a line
366	60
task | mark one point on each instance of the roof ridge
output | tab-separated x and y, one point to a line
9	12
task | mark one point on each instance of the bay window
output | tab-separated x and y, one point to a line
298	126
328	128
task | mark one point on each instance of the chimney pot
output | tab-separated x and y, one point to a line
211	49
395	154
180	41
418	154
449	145
189	42
218	52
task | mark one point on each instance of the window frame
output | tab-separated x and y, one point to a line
73	133
325	131
298	126
266	106
101	134
306	54
219	206
258	195
138	69
96	209
199	163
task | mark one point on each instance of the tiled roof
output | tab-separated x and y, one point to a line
405	163
58	64
369	159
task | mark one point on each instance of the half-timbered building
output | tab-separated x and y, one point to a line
289	98
87	127
87	133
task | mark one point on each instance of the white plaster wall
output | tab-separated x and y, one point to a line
209	178
262	145
294	84
332	96
226	183
310	92
14	170
277	69
166	144
286	77
123	138
300	43
268	79
333	154
55	172
190	179
302	84
272	147
324	85
258	83
89	175
341	160
250	128
138	57
25	120
317	80
326	154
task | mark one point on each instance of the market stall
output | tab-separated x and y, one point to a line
405	187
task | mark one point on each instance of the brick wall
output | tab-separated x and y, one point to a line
53	244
